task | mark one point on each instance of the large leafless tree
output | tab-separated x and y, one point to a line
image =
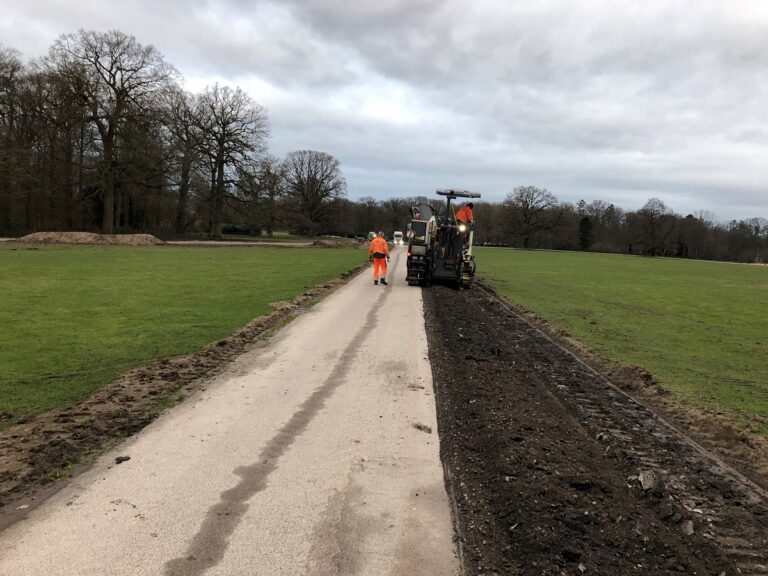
532	211
271	177
11	72
183	123
313	182
658	226
235	129
115	77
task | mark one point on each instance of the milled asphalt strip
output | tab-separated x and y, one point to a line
303	458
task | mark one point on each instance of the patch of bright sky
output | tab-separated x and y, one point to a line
384	101
262	92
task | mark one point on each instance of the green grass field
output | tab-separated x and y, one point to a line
701	328
72	318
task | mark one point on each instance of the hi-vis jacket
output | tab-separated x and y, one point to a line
378	248
465	215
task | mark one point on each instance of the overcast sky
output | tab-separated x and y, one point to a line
615	100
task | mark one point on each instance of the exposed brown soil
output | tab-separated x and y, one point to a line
37	451
90	238
329	244
743	448
554	471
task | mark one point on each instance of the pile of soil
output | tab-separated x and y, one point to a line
553	471
328	244
336	243
37	451
90	238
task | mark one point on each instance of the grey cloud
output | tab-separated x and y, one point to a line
618	100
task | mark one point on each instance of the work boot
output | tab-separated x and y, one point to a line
376	282
384	281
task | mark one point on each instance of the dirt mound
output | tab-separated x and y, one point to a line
329	243
326	244
90	238
635	379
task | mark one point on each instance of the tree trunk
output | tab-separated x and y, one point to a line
218	203
181	205
107	223
5	204
118	209
66	186
211	202
28	211
78	188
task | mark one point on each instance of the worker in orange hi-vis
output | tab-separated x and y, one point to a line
465	214
378	253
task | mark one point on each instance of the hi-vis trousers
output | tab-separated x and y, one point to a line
379	264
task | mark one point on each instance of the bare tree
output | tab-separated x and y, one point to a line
586	233
747	239
11	72
657	225
183	124
532	211
114	76
694	236
271	176
396	213
368	214
259	191
235	130
313	182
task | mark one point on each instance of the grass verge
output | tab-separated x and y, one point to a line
72	318
698	327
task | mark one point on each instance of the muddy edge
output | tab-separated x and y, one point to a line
41	453
554	472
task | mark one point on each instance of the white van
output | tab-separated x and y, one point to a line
397	237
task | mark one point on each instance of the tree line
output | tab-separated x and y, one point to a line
532	217
99	135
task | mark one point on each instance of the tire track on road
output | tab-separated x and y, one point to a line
209	545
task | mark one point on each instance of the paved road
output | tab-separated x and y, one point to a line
304	458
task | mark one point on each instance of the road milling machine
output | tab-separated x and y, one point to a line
440	247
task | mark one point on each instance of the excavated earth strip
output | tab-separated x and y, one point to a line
553	471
